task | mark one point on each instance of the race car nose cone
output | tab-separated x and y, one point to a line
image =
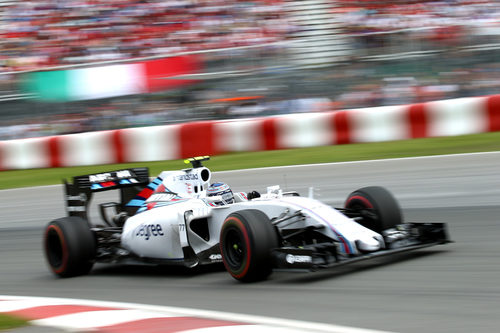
368	244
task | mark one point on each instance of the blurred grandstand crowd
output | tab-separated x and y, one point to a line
41	33
401	52
445	17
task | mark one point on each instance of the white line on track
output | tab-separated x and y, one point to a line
318	164
367	161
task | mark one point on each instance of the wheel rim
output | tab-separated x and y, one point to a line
369	220
234	249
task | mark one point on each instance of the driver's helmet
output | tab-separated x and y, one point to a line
223	190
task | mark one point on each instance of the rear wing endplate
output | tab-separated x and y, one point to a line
78	194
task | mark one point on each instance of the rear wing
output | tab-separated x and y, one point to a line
78	194
113	179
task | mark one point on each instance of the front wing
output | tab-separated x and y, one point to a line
412	236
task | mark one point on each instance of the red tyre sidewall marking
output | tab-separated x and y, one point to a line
243	230
64	260
364	200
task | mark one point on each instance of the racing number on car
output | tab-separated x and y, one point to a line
183	235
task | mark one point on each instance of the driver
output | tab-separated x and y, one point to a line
226	196
223	191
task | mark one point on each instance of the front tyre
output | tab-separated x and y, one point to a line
69	246
246	240
377	207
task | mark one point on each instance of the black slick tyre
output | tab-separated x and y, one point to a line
377	206
69	246
246	240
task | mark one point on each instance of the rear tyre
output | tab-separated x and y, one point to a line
377	206
69	246
246	240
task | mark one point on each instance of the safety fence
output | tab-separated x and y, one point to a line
387	123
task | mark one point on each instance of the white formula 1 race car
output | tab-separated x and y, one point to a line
178	219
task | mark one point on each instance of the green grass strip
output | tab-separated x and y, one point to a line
8	322
339	153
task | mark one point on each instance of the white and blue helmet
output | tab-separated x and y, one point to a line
223	191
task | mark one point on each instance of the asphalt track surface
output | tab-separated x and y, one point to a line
448	288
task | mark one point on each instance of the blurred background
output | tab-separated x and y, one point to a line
68	66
